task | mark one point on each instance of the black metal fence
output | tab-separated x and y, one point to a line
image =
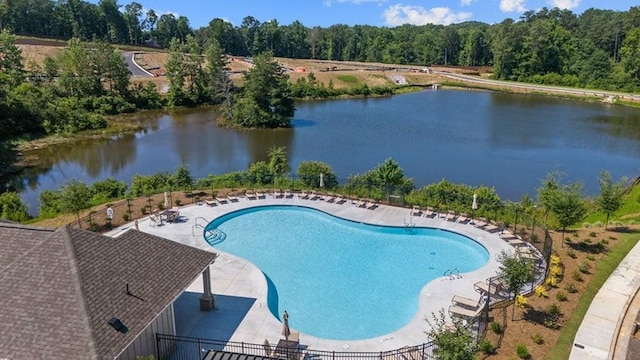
187	348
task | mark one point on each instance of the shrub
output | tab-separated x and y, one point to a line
521	301
125	216
599	247
554	311
576	276
571	288
572	254
555	270
522	351
552	281
555	260
584	267
593	234
591	258
560	296
144	210
487	347
537	338
541	291
496	327
178	202
604	242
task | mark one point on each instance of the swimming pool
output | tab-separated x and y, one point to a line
340	279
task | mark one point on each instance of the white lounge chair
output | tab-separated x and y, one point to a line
371	205
415	211
232	198
260	194
288	194
484	288
430	212
221	200
278	194
340	200
361	203
457	311
466	302
154	220
463	218
251	195
451	216
211	202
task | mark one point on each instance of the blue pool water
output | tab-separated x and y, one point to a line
340	279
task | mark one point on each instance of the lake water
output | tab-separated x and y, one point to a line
506	141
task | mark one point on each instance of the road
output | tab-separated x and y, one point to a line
133	68
543	88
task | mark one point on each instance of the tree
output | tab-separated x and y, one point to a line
547	192
215	72
451	342
74	197
278	160
515	271
568	206
11	60
182	178
610	198
266	100
132	14
309	173
12	207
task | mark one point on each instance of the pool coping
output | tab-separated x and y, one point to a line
234	276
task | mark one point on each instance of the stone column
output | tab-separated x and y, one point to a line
207	302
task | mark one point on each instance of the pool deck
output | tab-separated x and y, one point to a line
242	313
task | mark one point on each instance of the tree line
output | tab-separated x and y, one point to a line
595	49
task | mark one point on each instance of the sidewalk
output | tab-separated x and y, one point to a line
598	333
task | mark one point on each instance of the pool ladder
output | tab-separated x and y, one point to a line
408	225
453	274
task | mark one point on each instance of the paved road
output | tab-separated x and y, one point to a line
546	88
133	68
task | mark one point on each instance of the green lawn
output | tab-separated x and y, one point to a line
630	210
605	267
349	79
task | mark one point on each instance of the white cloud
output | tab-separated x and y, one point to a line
512	6
357	2
564	4
467	2
397	15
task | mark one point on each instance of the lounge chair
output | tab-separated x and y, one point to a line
288	194
303	195
415	211
430	212
250	195
466	302
340	200
451	216
232	198
484	288
314	196
211	202
463	218
330	198
260	194
278	194
371	205
222	200
461	312
361	203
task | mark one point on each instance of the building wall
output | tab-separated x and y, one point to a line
145	344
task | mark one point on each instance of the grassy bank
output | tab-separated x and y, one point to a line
605	267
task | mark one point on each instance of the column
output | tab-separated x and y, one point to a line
207	301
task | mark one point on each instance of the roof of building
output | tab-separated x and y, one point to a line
60	288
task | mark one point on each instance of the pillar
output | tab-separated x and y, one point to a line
207	302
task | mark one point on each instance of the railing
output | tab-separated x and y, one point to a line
187	348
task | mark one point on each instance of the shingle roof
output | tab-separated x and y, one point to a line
60	288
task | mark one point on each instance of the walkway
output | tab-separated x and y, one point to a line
236	278
601	333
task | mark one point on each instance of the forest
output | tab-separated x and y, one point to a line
596	49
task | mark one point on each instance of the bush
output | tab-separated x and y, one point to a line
560	296
522	351
591	258
593	234
572	254
496	327
144	210
576	276
540	290
584	267
571	288
537	338
487	347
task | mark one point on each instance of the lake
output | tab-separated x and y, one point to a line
505	141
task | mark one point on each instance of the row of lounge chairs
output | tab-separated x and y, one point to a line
366	204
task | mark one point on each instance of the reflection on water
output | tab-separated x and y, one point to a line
501	140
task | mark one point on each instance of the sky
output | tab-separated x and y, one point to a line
389	13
